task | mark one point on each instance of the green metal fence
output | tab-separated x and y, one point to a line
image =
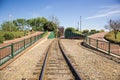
9	51
103	45
70	34
51	36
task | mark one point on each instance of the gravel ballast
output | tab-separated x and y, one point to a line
24	66
91	66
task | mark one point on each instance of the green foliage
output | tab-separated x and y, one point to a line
1	39
9	26
18	34
2	33
8	36
85	32
110	37
92	31
114	25
37	23
70	29
44	34
49	26
20	23
101	30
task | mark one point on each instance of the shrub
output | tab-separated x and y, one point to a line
70	29
8	36
1	39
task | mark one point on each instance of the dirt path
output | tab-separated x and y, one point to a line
90	65
24	66
99	36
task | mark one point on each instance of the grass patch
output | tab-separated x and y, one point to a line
78	32
1	39
44	34
16	34
111	37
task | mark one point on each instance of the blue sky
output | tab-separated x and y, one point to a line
95	13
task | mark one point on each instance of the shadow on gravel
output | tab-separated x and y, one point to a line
101	53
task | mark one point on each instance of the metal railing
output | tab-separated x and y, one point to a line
8	52
105	46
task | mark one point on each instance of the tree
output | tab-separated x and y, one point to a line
93	31
9	26
42	21
85	31
101	30
114	25
55	20
49	26
21	23
37	23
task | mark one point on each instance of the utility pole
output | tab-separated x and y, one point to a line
10	16
78	26
80	23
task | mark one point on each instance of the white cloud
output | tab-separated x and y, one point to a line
106	11
10	15
48	7
104	14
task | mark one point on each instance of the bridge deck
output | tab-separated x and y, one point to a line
89	65
25	65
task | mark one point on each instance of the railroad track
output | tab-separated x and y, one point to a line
56	66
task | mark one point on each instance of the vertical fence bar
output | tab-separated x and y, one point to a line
86	39
36	37
89	41
30	40
24	43
12	50
0	57
108	47
97	44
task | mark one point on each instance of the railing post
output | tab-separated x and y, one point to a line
24	43
36	38
12	50
86	39
108	47
97	44
30	40
89	41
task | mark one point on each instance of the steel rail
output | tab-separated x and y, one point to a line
44	64
74	72
72	69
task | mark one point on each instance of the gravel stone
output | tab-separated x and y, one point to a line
23	67
90	65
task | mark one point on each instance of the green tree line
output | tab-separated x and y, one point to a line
24	25
36	24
